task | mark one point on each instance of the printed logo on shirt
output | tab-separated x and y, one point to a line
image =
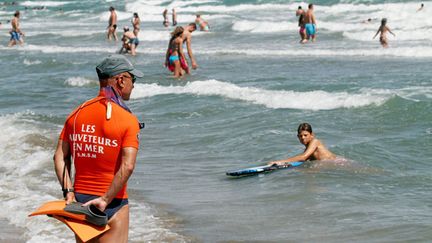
88	145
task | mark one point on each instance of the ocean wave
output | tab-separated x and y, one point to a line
79	81
30	62
275	99
408	52
66	49
263	26
26	163
43	3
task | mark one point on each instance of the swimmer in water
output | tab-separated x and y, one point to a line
421	7
315	149
383	29
203	24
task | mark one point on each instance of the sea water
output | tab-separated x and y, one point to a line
254	85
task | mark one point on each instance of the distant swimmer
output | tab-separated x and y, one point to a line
174	17
175	59
310	24
130	41
203	24
187	38
301	14
368	21
112	24
15	32
315	149
421	7
165	16
383	29
136	23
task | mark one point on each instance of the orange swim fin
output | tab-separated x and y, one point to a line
76	222
83	230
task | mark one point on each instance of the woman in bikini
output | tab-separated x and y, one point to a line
136	24
175	52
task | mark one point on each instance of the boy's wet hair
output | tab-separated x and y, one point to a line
383	21
304	127
111	8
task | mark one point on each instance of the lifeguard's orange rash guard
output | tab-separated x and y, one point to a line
95	143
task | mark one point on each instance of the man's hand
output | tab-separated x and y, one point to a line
99	202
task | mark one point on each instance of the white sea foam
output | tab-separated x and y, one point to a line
28	180
65	33
263	27
67	49
30	62
312	100
43	3
79	81
408	52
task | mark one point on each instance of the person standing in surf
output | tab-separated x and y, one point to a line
15	32
112	24
315	149
101	137
136	24
175	58
383	29
301	14
165	16
187	37
174	17
310	24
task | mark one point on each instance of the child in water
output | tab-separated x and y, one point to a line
315	149
383	29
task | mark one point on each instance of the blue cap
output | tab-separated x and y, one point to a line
116	64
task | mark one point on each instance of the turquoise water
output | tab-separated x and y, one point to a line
240	108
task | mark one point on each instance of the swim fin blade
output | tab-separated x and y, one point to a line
76	222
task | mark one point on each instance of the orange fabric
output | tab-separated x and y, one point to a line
83	230
57	208
76	222
96	142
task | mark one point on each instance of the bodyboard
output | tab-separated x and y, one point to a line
261	169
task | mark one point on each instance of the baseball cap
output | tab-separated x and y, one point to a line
116	64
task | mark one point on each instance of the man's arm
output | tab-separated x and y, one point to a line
189	48
390	31
62	165
128	160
